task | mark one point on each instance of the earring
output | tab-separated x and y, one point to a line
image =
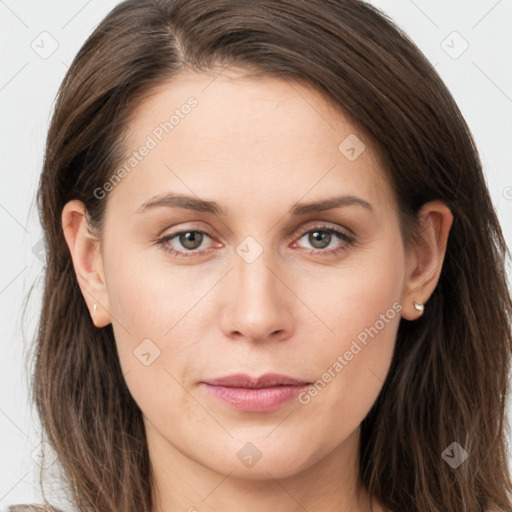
419	307
94	307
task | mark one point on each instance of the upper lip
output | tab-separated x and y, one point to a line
241	380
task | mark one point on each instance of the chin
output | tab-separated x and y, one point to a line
263	459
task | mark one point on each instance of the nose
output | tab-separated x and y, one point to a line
258	304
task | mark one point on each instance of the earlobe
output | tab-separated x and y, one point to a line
86	256
425	261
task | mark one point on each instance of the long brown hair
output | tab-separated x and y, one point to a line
449	375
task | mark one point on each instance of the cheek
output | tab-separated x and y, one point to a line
351	366
361	306
148	294
149	305
148	330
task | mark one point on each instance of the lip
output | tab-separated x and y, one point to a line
255	394
242	380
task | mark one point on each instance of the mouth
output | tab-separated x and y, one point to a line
255	394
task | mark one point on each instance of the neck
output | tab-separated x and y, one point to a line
329	485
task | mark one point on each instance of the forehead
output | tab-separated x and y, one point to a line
231	107
225	133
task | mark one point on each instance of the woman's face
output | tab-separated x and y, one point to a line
260	282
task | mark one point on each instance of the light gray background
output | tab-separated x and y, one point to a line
480	80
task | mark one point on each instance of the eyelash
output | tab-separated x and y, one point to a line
344	236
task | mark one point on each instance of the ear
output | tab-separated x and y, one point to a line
87	261
425	260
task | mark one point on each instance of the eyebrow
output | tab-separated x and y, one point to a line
201	205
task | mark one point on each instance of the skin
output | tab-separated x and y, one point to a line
256	147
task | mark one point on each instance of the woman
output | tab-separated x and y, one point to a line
275	278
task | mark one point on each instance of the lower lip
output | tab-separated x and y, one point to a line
256	400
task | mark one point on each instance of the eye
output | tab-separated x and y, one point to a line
190	240
325	239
